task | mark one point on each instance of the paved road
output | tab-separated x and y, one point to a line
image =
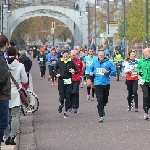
121	130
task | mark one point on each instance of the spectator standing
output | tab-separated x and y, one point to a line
5	89
26	61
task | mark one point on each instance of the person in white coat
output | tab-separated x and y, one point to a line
17	70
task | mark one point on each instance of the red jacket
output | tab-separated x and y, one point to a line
76	77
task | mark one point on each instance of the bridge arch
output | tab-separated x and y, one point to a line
79	29
67	21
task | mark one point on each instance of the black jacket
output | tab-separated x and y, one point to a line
62	68
5	87
27	62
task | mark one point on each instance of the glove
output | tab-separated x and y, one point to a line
140	73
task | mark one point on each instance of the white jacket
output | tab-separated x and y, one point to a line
18	72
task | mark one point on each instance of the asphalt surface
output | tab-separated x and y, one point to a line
121	130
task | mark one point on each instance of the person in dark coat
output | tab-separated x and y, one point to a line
5	88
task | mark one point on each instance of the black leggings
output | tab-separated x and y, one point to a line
42	69
146	96
51	70
132	87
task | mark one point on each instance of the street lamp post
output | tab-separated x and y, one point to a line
95	23
2	19
108	23
146	23
88	13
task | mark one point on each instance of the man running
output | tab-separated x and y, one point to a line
64	69
88	61
101	69
143	69
74	100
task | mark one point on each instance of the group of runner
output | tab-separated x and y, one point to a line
69	69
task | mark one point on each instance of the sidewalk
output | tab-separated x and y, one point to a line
25	140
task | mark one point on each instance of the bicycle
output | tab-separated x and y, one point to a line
118	69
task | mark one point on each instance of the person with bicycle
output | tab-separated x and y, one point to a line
118	59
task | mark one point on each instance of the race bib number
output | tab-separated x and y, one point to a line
33	47
67	81
41	59
53	62
99	71
134	73
89	63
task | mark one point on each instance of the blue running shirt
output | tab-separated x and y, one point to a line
88	61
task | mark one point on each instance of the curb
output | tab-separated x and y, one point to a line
27	137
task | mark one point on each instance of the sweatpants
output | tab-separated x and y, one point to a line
42	70
13	127
102	93
74	99
146	96
132	87
64	93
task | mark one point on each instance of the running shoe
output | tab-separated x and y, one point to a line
131	104
49	78
136	109
101	119
75	111
81	85
56	83
92	98
60	108
146	116
65	115
88	98
129	108
52	83
70	111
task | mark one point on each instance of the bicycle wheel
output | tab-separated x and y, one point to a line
34	102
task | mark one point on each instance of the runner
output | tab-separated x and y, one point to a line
52	59
101	69
132	80
42	63
74	99
143	69
64	69
88	61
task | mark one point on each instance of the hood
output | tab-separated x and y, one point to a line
13	65
24	58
